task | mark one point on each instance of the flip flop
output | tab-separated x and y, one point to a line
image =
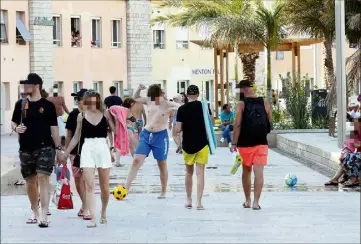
161	197
330	183
245	206
349	184
91	225
81	213
200	208
19	183
48	213
32	221
87	217
188	206
259	208
44	224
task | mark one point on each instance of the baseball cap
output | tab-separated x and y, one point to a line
352	104
245	83
192	90
80	93
32	79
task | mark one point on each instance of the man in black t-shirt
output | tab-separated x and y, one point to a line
190	121
113	99
70	127
34	119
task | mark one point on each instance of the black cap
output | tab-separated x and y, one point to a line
80	93
33	79
192	90
245	83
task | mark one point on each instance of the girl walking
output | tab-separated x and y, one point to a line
92	125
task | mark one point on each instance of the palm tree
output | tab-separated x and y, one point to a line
317	19
353	34
213	14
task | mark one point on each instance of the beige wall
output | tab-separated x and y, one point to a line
14	61
86	63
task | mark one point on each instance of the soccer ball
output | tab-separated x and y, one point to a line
290	180
119	192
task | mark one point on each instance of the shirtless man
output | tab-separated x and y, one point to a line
154	136
60	107
138	112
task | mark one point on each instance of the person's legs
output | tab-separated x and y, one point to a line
137	163
224	133
89	177
200	183
246	183
163	170
260	160
104	191
189	183
44	195
33	194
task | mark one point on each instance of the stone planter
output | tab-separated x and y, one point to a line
272	136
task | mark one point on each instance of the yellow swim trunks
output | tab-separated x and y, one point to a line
200	157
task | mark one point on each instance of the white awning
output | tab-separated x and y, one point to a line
23	30
158	26
182	34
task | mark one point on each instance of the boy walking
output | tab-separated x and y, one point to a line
190	121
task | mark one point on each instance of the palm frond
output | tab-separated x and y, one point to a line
354	66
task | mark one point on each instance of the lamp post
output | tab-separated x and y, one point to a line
340	71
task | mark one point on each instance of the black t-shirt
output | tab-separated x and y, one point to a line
113	100
194	130
71	125
38	117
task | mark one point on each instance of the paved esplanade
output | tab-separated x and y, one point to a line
305	214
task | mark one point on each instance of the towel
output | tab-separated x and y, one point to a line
121	138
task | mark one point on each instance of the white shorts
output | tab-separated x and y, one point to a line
95	154
61	126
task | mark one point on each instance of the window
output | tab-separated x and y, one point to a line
158	35
119	86
7	95
59	85
98	87
77	85
57	30
182	86
280	55
3	26
182	38
158	39
116	38
75	32
96	36
22	33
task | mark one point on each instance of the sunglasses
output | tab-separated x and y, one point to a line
90	93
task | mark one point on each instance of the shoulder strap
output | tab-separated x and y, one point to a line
81	125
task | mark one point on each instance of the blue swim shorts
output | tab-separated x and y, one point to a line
157	142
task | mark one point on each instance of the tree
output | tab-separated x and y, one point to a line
353	34
214	14
317	19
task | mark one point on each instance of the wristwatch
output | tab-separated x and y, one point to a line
59	148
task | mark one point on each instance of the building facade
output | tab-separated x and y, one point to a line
96	44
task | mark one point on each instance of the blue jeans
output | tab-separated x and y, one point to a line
227	132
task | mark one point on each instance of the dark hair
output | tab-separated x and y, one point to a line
225	106
44	94
185	97
128	102
112	89
154	91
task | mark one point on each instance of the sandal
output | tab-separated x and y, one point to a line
91	225
331	183
200	208
188	206
32	221
350	184
81	213
103	221
87	217
259	208
44	224
246	206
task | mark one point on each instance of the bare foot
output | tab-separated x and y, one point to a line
162	195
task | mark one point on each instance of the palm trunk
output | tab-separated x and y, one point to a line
249	65
269	75
330	75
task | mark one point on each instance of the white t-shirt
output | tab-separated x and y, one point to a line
355	115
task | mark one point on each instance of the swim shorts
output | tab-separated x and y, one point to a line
157	142
254	155
200	157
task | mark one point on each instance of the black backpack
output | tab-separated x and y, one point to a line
255	120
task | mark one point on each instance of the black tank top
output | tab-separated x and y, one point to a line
247	139
94	131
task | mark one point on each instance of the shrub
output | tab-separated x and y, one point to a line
297	102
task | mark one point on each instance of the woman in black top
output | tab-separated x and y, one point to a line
95	153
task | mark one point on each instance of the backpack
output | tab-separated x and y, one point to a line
256	123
